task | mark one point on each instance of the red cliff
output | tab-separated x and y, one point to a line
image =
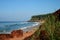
15	33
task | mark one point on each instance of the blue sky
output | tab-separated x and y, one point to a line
22	10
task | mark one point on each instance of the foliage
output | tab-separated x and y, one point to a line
51	25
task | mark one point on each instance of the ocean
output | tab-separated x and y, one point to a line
7	27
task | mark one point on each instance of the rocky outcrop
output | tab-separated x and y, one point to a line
57	12
5	36
57	15
54	19
15	33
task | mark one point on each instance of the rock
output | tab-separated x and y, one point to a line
57	15
44	35
17	33
5	36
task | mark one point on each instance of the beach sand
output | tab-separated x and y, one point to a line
25	35
22	34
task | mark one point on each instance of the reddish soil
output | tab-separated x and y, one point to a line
16	35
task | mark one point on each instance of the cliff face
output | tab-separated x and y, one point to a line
57	15
50	30
15	33
57	12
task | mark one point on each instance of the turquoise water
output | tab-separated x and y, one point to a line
10	26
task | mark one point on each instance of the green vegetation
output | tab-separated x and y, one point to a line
50	30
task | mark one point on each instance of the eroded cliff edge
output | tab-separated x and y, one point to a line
50	30
15	33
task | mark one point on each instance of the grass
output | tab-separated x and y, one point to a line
52	27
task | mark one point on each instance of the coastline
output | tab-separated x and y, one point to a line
23	27
30	27
26	32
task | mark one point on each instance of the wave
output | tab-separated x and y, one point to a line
16	26
36	24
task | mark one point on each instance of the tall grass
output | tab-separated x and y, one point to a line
52	26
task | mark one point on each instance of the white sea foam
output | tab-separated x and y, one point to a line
34	24
23	28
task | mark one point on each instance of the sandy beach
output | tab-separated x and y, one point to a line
20	34
25	35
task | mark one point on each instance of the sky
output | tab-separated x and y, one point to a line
22	10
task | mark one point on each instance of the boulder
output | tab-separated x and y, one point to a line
17	33
5	36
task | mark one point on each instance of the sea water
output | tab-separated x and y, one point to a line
7	27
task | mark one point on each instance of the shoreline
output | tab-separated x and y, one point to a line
25	33
30	27
22	28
